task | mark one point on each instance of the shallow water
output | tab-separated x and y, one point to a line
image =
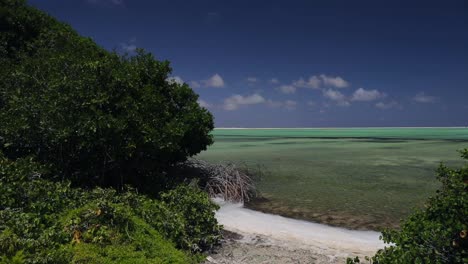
356	178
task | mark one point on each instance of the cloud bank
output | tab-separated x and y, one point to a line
336	96
424	98
215	81
237	100
203	103
315	82
389	105
366	95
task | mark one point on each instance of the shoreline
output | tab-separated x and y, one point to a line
345	221
277	239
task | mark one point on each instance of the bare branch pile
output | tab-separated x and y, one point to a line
227	181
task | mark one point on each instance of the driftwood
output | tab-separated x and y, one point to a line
228	181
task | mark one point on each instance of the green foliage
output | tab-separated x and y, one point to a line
111	233
49	222
74	113
29	210
18	258
437	234
196	209
19	25
96	117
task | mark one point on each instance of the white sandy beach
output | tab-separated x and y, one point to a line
270	238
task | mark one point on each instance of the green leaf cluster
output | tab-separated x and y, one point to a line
201	227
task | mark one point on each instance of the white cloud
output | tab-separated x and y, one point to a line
424	98
313	82
195	84
319	81
389	105
287	89
360	95
130	46
233	102
366	95
274	81
290	104
215	81
336	96
337	81
175	79
203	103
252	80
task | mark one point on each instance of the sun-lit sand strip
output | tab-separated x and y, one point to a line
236	218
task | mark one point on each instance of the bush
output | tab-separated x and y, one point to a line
197	210
437	234
28	213
49	222
96	117
111	233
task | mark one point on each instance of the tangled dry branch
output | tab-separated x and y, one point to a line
228	181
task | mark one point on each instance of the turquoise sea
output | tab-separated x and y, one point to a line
360	178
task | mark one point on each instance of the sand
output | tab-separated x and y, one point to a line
254	237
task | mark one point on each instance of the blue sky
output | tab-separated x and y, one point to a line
298	63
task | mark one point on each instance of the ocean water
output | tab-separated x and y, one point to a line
358	178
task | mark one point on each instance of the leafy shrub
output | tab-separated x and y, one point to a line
197	210
96	117
184	215
437	234
50	222
111	233
28	212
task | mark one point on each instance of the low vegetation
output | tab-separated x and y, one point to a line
436	234
50	222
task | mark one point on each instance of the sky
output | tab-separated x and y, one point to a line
297	63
